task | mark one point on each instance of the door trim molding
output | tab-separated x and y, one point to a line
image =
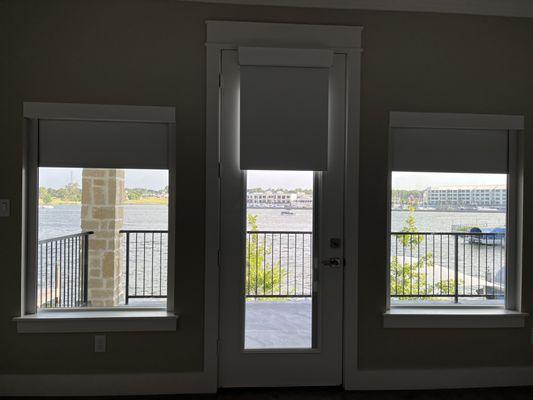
226	35
231	34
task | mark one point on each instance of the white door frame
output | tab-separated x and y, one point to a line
225	35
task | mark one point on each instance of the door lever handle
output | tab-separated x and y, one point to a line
334	262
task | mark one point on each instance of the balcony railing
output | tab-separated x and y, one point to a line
453	265
146	262
279	264
62	271
424	266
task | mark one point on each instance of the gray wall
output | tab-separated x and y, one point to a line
152	53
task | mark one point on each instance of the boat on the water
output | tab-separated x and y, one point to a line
487	236
287	211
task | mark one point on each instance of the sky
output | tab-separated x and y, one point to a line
280	179
148	179
158	179
422	180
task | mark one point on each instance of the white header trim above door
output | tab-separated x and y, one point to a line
235	33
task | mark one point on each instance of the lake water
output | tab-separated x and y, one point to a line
475	260
65	219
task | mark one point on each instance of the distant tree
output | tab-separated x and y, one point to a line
73	192
133	195
44	195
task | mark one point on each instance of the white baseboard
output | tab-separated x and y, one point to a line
440	378
200	382
106	385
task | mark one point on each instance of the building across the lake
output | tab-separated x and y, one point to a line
466	196
278	199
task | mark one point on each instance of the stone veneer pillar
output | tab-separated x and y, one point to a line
102	212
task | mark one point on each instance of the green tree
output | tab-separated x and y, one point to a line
44	195
73	192
262	276
133	195
409	279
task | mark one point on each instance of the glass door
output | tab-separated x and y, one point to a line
281	257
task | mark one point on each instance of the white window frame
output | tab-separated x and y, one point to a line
110	319
468	316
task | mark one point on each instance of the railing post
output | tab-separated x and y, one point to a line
85	268
456	288
127	289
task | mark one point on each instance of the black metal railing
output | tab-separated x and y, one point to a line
146	262
455	265
62	271
279	264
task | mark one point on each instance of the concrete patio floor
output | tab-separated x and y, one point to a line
278	324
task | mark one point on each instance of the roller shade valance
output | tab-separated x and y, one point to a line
103	144
450	150
284	110
285	57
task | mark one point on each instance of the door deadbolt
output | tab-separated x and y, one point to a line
334	262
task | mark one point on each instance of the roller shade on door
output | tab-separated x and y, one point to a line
101	144
450	150
284	101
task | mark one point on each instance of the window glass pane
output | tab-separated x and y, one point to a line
448	238
279	260
102	237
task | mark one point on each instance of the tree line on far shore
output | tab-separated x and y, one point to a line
71	193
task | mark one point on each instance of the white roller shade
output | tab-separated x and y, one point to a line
449	150
101	144
284	109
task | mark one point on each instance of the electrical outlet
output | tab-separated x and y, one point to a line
5	208
99	343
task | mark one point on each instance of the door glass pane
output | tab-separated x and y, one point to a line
279	260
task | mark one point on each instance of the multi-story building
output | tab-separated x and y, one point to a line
269	199
278	199
466	196
303	200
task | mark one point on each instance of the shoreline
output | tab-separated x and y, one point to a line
127	203
457	211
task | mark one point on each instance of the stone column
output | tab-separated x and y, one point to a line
102	211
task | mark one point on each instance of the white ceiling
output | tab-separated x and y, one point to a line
508	8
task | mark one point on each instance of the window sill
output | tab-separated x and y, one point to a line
97	321
417	317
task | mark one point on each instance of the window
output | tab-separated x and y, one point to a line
447	249
454	211
99	185
102	238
